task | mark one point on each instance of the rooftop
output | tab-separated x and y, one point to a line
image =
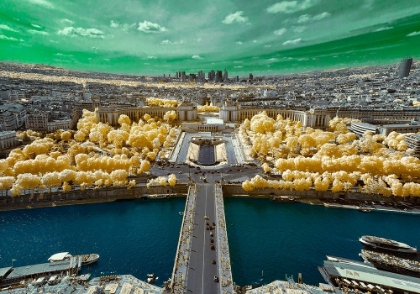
372	275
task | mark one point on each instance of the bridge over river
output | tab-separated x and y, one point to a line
202	262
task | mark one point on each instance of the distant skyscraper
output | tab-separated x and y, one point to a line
200	76
219	76
404	68
211	75
251	77
225	75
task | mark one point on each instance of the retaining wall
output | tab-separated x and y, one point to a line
88	196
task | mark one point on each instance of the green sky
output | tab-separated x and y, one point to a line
157	37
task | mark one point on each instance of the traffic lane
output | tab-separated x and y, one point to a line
196	247
231	157
203	272
211	269
182	155
210	178
196	264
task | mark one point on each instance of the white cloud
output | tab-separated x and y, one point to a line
368	4
290	6
36	26
413	34
307	18
383	29
196	57
238	66
35	32
239	43
44	3
3	37
280	32
150	27
151	57
7	28
267	46
114	24
255	41
235	17
165	42
63	55
127	26
299	29
304	18
67	21
81	32
322	15
292	42
273	59
124	26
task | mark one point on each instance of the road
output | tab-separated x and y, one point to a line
201	270
200	277
230	153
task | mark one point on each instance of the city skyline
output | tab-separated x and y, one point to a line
163	38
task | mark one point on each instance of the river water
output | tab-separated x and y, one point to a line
267	240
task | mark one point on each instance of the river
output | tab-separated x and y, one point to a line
267	240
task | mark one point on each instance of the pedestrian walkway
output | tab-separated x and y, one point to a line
182	258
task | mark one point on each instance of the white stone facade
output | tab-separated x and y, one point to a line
8	140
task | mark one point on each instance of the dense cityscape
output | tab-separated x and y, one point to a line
344	138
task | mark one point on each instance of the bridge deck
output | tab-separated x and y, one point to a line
194	269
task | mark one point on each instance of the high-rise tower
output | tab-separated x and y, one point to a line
404	68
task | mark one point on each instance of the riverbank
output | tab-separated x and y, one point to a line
344	200
89	196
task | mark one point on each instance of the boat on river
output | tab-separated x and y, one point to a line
89	258
387	244
86	258
391	263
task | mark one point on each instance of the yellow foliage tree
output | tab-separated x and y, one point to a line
172	180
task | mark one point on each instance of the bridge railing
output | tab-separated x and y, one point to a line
180	271
223	256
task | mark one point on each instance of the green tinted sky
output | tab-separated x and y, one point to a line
156	37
